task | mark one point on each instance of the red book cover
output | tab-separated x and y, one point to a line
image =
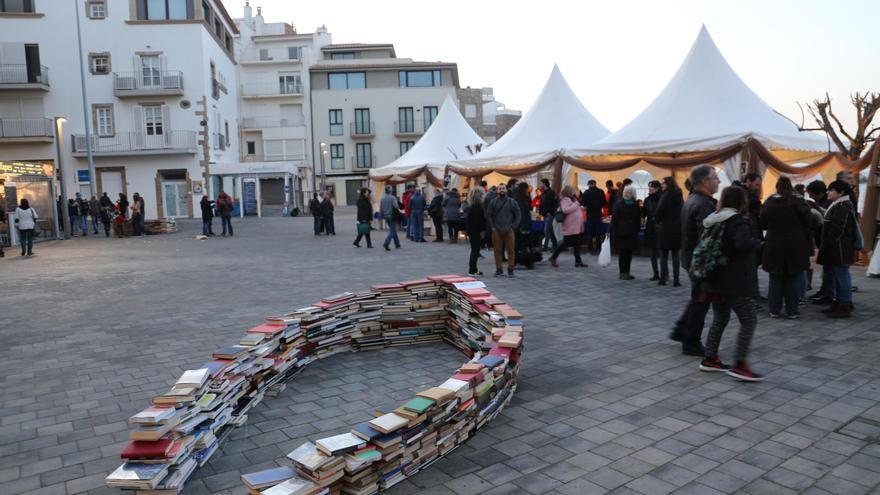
158	449
458	280
421	281
382	287
267	328
482	308
442	278
502	352
476	292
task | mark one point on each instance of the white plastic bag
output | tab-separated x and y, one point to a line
874	265
605	253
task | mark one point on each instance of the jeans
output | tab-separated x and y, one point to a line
689	326
802	285
227	222
417	226
452	229
841	282
549	234
136	224
504	241
95	223
745	311
141	219
570	240
360	236
74	224
392	233
476	241
329	228
319	224
85	224
624	259
26	237
206	226
827	287
664	265
410	225
783	288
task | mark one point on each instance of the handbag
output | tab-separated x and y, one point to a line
363	228
559	216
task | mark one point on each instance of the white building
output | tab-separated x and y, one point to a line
275	141
161	93
368	108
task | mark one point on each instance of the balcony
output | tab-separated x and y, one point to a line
24	77
363	162
138	143
409	128
363	129
271	90
156	83
26	130
220	141
257	123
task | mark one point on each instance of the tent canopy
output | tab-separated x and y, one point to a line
706	106
447	139
557	121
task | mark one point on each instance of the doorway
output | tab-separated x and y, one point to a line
111	182
352	191
174	196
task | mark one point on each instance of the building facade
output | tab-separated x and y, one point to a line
274	107
489	118
161	95
368	108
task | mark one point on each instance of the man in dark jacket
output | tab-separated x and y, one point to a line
547	209
315	210
753	184
417	215
435	211
593	199
327	214
503	217
700	204
207	207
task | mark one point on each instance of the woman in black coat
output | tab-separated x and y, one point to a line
838	247
649	213
475	225
786	255
364	217
668	218
207	207
626	220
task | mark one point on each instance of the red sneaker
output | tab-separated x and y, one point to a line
713	364
742	371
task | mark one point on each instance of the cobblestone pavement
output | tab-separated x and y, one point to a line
92	328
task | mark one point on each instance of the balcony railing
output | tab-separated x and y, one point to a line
24	74
408	127
261	122
272	89
363	161
220	141
141	83
134	143
26	128
363	129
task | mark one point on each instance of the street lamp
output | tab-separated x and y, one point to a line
65	217
323	173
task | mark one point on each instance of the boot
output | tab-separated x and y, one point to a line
842	311
832	308
553	262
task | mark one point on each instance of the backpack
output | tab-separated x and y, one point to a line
708	256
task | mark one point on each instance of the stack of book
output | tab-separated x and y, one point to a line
185	426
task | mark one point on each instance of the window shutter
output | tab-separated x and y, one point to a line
138	119
166	120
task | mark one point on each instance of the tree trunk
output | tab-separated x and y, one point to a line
868	221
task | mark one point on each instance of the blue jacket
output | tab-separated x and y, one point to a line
417	203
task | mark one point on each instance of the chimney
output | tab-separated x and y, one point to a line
321	30
247	11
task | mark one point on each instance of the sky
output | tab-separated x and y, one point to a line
617	56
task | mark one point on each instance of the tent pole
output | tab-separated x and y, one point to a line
557	174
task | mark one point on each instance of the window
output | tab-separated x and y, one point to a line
99	63
218	28
294	52
102	120
289	83
151	70
97	9
228	42
206	11
342	56
405	118
226	129
264	54
251	148
337	156
470	111
347	80
405	146
362	121
419	78
163	9
17	6
364	155
428	115
153	120
336	122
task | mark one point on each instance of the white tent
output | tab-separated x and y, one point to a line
557	121
447	139
705	106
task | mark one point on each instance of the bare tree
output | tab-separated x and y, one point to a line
850	144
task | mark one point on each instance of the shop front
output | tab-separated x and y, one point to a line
259	188
34	181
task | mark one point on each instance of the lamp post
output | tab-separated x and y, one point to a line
323	173
65	216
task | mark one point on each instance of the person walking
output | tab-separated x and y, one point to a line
572	226
668	218
649	213
364	218
838	247
435	211
207	207
26	223
688	329
224	208
475	226
625	224
136	214
547	209
785	255
389	208
83	205
729	287
503	216
95	210
417	215
73	213
452	214
327	214
594	201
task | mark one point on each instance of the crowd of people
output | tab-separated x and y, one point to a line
221	207
90	214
